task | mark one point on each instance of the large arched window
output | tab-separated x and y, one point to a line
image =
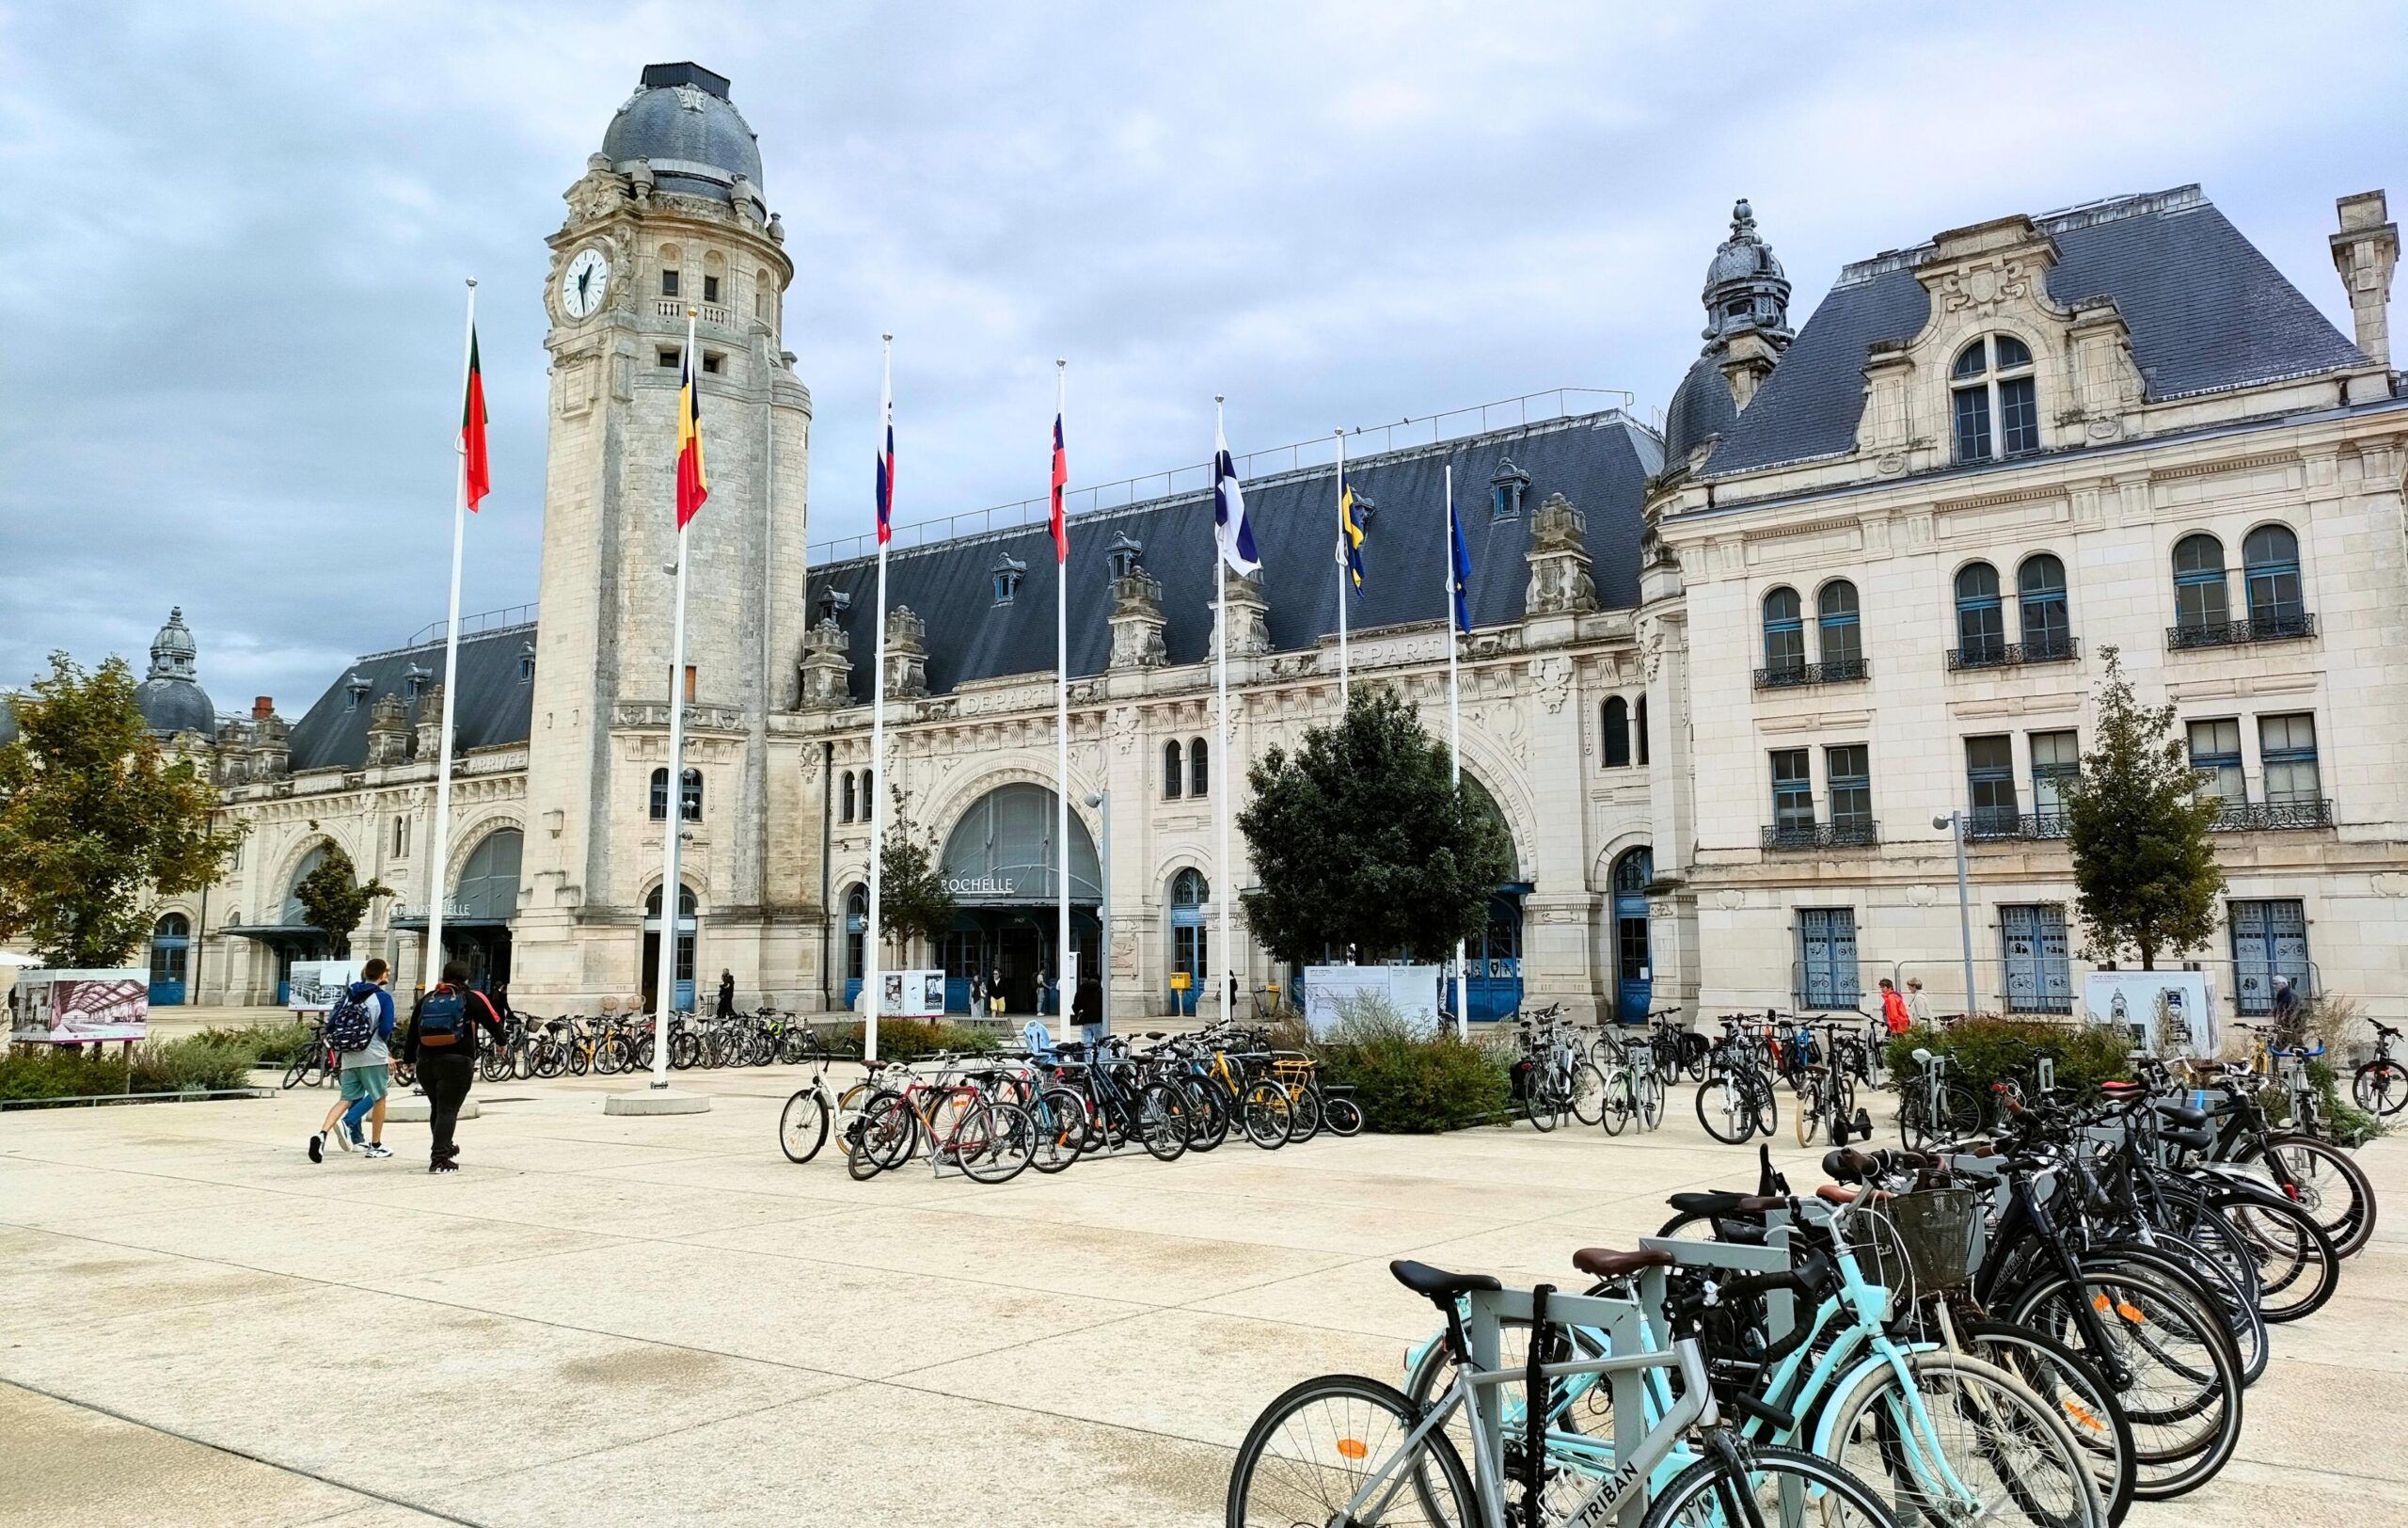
1981	621
1200	767
1784	632
1617	738
2046	622
2270	568
1639	726
1837	629
843	812
1174	771
170	950
488	883
856	931
1190	940
2202	597
689	805
1996	410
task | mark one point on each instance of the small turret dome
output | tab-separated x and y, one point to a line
1701	407
1745	286
170	698
682	125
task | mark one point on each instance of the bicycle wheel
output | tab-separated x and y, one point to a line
1768	1105
1652	1095
552	1060
2326	1181
2298	1267
1810	1114
1317	1445
1305	1103
1344	1116
1714	1491
2065	1381
1207	1119
1589	1088
1162	1122
887	1131
1266	1116
1969	1445
2380	1087
994	1142
298	1071
1537	1104
1060	1117
1726	1110
802	1124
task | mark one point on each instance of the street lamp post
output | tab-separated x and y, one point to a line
1955	823
1102	802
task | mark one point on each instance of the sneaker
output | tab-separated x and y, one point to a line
444	1166
347	1140
318	1147
375	1148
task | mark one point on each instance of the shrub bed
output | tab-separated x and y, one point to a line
1408	1082
909	1040
194	1063
1987	1050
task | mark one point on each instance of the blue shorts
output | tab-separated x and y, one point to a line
366	1082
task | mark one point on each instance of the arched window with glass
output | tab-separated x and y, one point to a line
1190	938
1639	728
171	955
1981	619
845	813
2045	618
1784	636
2270	568
690	806
1617	733
2202	594
856	932
1994	399
1200	767
1174	771
1839	630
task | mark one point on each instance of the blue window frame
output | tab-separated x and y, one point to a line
1784	632
1827	957
2269	560
1848	773
1837	628
1793	791
2287	752
1981	619
1994	402
1990	784
2215	752
2046	621
2202	597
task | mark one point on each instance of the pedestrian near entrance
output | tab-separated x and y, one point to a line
2290	1030
1893	1008
441	1042
1918	1005
365	1069
1087	1010
726	1008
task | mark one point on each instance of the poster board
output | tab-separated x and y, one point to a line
316	986
2168	1013
911	995
63	1007
1413	989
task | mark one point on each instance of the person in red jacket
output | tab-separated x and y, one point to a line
442	1045
1893	1008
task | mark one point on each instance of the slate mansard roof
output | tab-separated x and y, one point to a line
494	708
2208	312
1599	461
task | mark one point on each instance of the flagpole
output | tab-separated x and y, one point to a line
1455	734
878	721
439	854
1221	743
672	888
1062	960
1345	571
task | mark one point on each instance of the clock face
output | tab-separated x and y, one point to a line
582	285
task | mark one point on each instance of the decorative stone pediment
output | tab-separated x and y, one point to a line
1138	621
907	654
1560	581
1249	616
827	670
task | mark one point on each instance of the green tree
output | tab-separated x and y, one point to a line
2142	863
96	822
1362	843
911	898
334	899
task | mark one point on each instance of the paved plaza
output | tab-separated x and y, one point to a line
607	1320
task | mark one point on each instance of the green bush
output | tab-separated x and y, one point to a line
909	1040
193	1063
57	1072
1406	1081
1987	1050
267	1044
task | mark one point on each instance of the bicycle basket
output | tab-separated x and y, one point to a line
1936	1228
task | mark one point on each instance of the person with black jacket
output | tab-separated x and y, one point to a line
442	1045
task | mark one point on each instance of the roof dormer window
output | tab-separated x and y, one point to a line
1505	490
833	602
413	683
1124	554
354	692
1994	399
1009	570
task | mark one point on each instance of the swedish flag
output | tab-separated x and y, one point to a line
1349	532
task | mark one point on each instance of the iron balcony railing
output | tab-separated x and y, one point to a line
1798	675
1997	655
1986	825
2272	816
2283	625
1847	833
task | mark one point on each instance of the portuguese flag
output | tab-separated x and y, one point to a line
476	473
691	487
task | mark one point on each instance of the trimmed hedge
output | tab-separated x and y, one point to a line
1408	1082
1987	1050
909	1040
194	1063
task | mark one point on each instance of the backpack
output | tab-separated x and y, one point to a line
351	1024
442	1017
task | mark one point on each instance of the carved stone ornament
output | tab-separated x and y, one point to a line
1123	727
1985	289
1551	676
597	193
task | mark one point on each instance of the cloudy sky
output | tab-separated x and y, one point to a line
236	237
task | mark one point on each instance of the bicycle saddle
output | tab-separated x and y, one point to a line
1437	1283
2190	1140
1722	1202
1833	1193
2180	1114
1605	1262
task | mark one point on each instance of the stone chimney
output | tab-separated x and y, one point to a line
827	672
1249	616
263	707
430	723
906	655
388	733
2364	252
1561	583
1138	621
271	750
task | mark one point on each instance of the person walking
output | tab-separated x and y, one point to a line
1087	1010
365	1069
726	1008
1894	1016
441	1042
1918	1005
2288	1030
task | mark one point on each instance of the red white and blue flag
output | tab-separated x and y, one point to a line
1061	475
886	459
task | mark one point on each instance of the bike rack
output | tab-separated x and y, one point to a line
1623	1323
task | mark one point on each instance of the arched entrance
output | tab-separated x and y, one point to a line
1634	972
682	998
1000	865
476	925
1191	953
1493	961
298	940
856	943
170	948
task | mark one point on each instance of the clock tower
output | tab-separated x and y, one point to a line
669	219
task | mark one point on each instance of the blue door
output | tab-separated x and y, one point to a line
1827	957
1634	972
1190	945
2269	940
170	948
1493	963
2039	979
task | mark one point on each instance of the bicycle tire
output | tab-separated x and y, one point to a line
1305	1103
994	1142
2311	1269
1061	1120
2056	1371
2349	1220
2380	1087
1267	1118
802	1124
1725	1111
1344	1116
2011	1437
1207	1121
1588	1088
1709	1485
1275	1462
1162	1122
1653	1095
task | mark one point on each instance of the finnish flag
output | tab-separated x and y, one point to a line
1229	525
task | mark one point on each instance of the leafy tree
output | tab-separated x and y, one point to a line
1363	843
2142	863
911	898
96	821
333	899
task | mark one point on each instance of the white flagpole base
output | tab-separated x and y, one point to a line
657	1100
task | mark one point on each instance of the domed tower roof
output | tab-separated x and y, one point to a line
681	122
1701	407
171	699
1745	287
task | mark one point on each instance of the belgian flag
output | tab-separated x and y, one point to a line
476	471
692	488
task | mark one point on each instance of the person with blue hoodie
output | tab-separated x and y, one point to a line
365	1072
